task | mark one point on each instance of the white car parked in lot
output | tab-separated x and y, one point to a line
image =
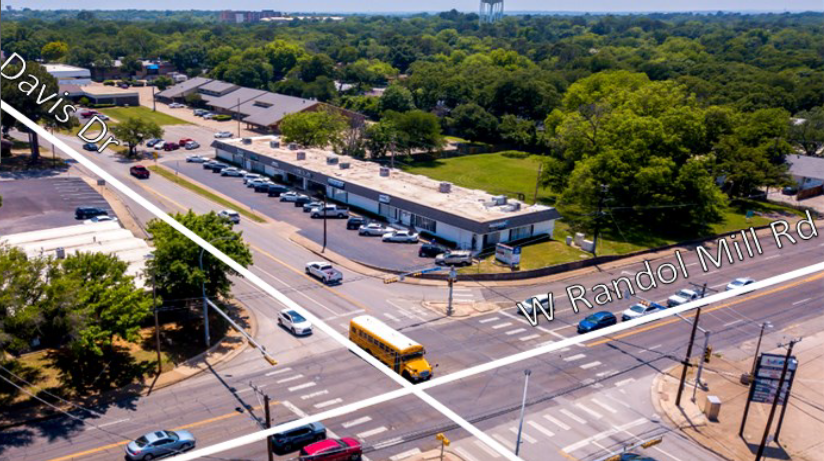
231	215
196	159
98	219
400	236
291	196
250	177
192	145
294	322
176	105
372	229
231	171
223	134
330	211
324	272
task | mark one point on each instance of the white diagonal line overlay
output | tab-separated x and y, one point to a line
160	214
407	388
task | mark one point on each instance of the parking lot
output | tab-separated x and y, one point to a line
369	250
44	203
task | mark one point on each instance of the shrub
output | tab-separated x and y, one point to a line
222	118
108	82
516	154
101	106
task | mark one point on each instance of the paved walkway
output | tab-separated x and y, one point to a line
801	435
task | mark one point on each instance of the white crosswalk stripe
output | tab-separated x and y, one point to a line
572	416
541	429
356	422
556	422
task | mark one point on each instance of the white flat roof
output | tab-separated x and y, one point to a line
470	203
389	335
57	67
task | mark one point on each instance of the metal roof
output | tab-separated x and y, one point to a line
231	100
218	87
386	333
182	88
806	166
281	106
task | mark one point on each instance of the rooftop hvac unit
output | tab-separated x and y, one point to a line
445	187
60	253
331	160
301	155
274	144
514	206
384	172
247	141
499	200
293	146
344	165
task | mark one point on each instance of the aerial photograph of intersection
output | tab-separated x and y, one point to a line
450	230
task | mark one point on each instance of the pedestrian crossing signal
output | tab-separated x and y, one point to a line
707	354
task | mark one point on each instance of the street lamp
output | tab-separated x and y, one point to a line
150	257
203	289
527	372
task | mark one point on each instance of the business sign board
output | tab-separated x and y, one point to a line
508	255
336	183
768	374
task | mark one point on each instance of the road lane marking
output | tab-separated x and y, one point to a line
328	403
515	332
504	441
107	424
604	406
405	454
289	379
734	322
591	412
491	319
464	454
501	325
372	432
619	402
524	435
541	429
801	302
388	443
556	422
391	317
575	357
302	386
589	365
314	394
486	449
282	370
602	435
572	416
530	337
356	422
624	382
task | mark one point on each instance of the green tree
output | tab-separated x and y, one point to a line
55	51
134	131
320	128
474	122
283	56
164	82
807	130
414	130
396	98
175	266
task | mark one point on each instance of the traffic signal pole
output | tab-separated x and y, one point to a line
687	359
268	426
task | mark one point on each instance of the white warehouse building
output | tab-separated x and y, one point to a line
69	75
472	219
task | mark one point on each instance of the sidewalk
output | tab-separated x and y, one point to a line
434	455
802	435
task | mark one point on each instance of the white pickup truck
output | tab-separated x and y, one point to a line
324	272
329	211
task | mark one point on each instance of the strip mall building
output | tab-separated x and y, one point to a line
471	219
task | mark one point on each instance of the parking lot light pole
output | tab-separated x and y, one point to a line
203	291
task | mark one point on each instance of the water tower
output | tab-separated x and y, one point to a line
491	11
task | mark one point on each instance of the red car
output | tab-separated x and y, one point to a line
183	142
89	114
170	146
345	449
139	171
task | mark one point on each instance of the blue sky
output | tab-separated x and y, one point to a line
433	5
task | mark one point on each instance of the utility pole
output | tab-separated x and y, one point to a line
707	351
689	353
150	257
776	400
764	326
268	426
601	196
203	291
784	406
451	279
154	101
237	114
527	372
323	216
537	183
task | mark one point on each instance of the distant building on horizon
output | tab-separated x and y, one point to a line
239	17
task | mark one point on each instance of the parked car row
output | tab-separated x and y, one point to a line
160	144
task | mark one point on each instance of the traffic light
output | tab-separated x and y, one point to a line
707	354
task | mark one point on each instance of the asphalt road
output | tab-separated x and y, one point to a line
591	398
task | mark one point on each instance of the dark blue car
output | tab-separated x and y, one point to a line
597	321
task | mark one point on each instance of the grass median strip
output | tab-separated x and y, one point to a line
205	193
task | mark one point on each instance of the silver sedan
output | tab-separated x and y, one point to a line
159	443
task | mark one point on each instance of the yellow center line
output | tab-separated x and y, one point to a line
655	325
82	454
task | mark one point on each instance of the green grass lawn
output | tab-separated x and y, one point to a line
122	113
493	173
498	174
179	180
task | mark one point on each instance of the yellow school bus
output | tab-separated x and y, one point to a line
391	347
